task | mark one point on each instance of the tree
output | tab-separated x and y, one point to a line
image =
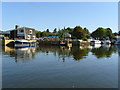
78	33
55	30
44	34
102	33
109	33
98	33
60	33
38	33
87	35
86	30
47	30
69	30
115	34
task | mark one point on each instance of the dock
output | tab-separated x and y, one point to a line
67	43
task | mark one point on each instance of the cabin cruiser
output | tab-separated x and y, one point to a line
93	42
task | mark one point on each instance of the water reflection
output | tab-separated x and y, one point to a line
77	53
102	51
118	49
20	54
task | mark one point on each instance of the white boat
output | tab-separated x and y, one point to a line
93	42
23	43
97	46
117	42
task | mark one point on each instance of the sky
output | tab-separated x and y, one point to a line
50	15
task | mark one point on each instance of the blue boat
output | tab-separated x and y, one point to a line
24	43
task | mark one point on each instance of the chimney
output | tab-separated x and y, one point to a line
16	26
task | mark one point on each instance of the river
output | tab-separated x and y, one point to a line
60	67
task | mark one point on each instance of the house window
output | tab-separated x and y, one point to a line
30	31
21	30
33	37
28	37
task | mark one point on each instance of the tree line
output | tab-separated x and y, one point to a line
79	33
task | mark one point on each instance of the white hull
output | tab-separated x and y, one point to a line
117	42
94	42
22	40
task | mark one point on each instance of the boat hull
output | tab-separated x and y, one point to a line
24	44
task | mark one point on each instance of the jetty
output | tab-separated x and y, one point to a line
57	42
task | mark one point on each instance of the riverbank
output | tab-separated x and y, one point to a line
54	42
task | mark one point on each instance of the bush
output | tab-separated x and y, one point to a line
84	39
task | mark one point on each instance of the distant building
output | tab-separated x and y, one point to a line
117	35
22	33
67	35
1	35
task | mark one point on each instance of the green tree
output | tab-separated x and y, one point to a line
78	33
44	34
99	33
55	30
87	33
69	30
109	33
86	30
47	30
102	33
38	33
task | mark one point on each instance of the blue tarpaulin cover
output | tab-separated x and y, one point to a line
52	36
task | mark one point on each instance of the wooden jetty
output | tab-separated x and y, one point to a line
67	43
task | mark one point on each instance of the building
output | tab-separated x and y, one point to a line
66	35
22	33
1	35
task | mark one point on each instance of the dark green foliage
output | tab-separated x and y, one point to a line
87	33
55	30
78	32
79	53
109	33
103	52
38	34
44	34
102	33
47	30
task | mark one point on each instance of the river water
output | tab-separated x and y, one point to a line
60	67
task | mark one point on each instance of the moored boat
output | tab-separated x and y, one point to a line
93	42
24	43
117	42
